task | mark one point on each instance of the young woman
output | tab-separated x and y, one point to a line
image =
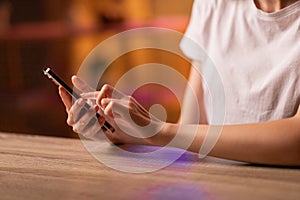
255	47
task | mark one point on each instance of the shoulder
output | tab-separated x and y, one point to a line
206	5
209	7
218	3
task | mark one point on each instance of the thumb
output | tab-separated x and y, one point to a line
81	84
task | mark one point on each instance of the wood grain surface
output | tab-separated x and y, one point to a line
35	167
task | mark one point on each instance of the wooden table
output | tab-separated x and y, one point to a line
35	167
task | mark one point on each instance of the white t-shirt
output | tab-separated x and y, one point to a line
256	54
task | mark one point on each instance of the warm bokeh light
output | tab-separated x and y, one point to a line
39	33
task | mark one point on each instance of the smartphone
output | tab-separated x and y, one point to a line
58	81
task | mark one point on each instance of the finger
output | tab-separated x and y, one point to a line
101	119
108	109
76	110
122	106
107	91
86	121
128	109
90	95
113	107
81	84
104	103
65	97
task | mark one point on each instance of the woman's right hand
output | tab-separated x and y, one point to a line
133	123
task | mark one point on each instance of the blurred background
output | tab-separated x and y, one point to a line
61	33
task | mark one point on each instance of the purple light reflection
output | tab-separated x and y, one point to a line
186	159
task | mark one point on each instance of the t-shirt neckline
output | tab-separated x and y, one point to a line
293	8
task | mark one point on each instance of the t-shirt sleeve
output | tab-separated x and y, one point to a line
191	43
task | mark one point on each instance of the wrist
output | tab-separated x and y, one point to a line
164	136
189	137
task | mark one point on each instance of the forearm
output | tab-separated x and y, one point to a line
275	142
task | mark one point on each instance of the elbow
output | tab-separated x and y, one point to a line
290	156
297	145
290	150
293	146
295	149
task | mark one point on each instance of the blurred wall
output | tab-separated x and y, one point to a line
61	33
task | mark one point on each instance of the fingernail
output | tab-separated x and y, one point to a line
102	102
77	80
80	102
60	88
